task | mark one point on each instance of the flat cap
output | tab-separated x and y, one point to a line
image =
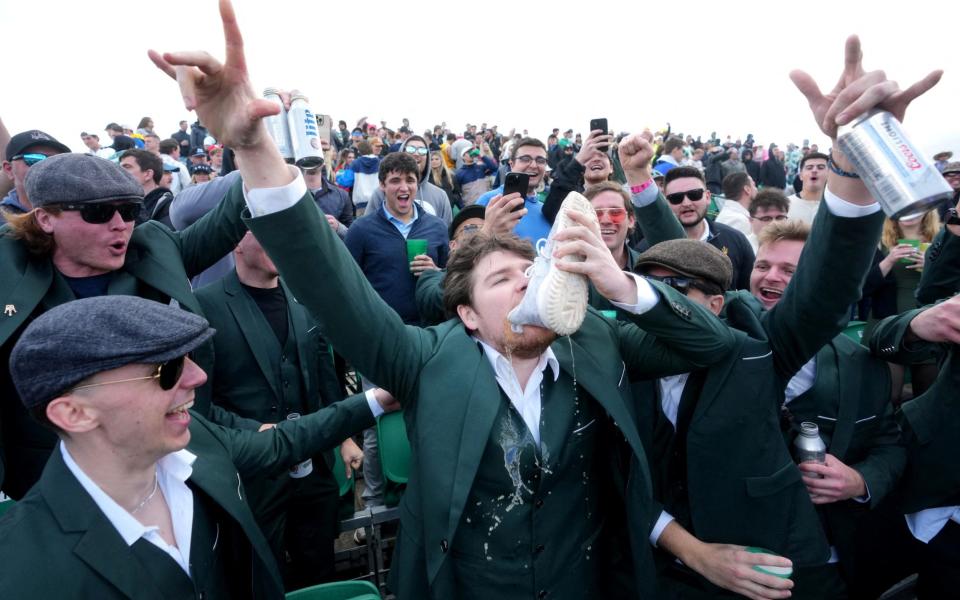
951	167
79	179
75	340
690	258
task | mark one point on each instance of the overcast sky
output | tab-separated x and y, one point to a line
702	66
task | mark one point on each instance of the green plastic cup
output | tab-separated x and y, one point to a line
415	248
782	572
915	244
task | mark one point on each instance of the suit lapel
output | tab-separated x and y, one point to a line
154	273
595	379
27	293
100	546
846	390
480	413
253	326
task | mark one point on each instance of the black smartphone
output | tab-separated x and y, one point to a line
516	182
600	124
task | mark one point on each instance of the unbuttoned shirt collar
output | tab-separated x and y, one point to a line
527	400
173	470
403	228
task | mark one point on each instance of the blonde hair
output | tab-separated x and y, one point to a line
929	226
444	172
791	230
24	227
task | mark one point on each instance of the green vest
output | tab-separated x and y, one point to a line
506	545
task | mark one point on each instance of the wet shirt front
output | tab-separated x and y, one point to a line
534	513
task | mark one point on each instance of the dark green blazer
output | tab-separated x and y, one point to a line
56	543
930	422
743	485
244	380
941	271
158	266
450	394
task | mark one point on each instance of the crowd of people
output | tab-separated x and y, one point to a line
605	373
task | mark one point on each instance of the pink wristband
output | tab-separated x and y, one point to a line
639	189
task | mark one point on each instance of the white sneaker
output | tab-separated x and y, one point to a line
555	299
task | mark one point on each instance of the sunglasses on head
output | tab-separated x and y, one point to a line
677	197
168	373
416	150
100	213
29	159
616	215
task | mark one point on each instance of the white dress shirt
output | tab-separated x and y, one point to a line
173	470
735	215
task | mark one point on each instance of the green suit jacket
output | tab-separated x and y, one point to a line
56	543
158	266
930	422
449	390
743	486
246	380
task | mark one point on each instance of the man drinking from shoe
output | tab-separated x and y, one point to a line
528	478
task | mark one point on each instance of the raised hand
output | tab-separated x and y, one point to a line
636	153
220	93
857	91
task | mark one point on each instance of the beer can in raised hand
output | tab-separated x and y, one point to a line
893	168
277	124
304	134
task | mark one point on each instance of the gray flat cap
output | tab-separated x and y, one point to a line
690	258
75	340
79	179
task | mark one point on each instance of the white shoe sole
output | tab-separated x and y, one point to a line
562	297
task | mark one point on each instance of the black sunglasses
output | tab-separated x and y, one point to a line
677	197
683	284
100	213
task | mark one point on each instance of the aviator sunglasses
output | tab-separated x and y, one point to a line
100	213
615	215
416	150
168	373
677	197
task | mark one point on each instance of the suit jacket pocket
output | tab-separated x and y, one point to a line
785	476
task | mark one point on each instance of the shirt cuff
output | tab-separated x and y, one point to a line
865	498
841	208
647	297
663	520
375	407
264	201
647	196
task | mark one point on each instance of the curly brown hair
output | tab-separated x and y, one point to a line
458	284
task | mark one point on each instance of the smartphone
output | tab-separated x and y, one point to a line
600	124
516	182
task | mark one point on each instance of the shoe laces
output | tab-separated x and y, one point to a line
541	248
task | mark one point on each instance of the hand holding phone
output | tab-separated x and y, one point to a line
516	183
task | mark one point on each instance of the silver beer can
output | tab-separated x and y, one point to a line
893	169
304	134
808	446
277	125
299	470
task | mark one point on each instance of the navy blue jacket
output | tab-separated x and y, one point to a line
381	251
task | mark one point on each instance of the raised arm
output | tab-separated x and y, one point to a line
839	251
654	217
310	258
